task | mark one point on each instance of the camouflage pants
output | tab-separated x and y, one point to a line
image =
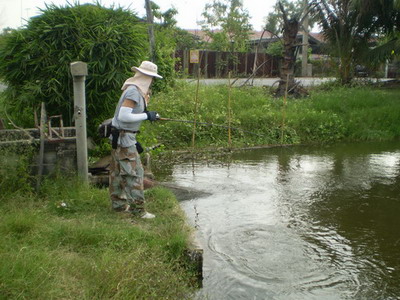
126	180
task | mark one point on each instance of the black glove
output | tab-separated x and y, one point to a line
152	115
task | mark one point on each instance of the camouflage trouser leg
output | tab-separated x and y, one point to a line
126	180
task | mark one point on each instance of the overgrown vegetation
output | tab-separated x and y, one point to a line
350	27
35	61
65	243
331	114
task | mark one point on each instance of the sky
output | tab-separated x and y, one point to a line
14	13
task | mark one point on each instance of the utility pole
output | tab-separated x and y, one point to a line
304	49
150	20
79	72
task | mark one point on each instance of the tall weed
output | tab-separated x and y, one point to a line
14	170
85	251
328	115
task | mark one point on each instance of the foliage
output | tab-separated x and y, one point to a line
34	61
275	49
185	40
226	22
349	25
3	35
169	32
309	126
382	15
331	114
14	170
165	47
323	68
168	38
344	33
274	20
166	18
388	49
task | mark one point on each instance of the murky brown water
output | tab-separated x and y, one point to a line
298	223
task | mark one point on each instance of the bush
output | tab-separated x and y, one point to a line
35	61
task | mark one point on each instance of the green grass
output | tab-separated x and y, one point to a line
362	113
65	243
85	251
341	114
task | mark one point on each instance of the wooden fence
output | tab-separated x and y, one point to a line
215	64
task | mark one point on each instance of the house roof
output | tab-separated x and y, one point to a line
200	34
267	36
318	36
254	35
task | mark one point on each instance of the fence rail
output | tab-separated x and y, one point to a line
215	64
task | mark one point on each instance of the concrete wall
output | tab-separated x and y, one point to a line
59	153
59	156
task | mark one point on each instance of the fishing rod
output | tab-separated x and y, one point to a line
208	124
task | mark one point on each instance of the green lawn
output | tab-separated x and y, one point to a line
66	243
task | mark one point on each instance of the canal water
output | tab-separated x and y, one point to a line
298	222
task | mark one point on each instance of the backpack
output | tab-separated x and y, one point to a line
105	128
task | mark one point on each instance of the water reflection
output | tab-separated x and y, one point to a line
299	223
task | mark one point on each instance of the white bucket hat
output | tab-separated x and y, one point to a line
147	68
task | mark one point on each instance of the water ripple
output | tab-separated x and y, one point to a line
299	226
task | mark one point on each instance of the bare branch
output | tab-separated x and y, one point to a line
274	34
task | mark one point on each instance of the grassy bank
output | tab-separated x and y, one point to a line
66	243
331	115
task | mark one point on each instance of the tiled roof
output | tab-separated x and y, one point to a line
255	35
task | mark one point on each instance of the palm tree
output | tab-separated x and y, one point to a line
386	19
349	25
291	17
340	23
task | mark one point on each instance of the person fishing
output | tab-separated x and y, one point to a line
126	170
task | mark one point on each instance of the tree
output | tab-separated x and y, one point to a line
35	61
150	29
347	33
226	22
274	22
384	16
185	40
166	23
287	18
350	25
165	44
165	19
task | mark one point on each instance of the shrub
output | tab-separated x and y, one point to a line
35	61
